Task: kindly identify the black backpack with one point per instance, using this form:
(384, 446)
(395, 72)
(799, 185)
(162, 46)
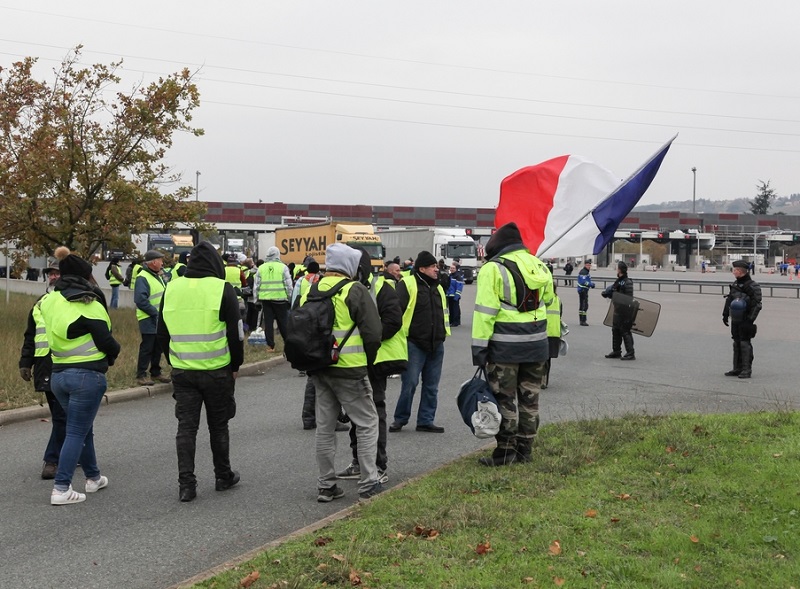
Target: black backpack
(310, 344)
(527, 299)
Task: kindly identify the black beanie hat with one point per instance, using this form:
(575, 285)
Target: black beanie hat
(424, 259)
(505, 236)
(741, 264)
(622, 266)
(71, 265)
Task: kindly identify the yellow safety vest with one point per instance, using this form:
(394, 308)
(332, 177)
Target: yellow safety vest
(396, 347)
(271, 286)
(40, 338)
(554, 317)
(157, 287)
(113, 280)
(59, 314)
(197, 338)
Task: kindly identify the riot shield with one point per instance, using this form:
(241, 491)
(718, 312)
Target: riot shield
(644, 313)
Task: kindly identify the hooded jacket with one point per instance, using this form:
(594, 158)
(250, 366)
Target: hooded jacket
(205, 262)
(76, 289)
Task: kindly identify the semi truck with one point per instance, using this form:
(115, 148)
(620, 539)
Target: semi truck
(297, 242)
(169, 243)
(450, 244)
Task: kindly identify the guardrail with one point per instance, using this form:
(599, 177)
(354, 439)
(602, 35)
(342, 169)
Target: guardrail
(713, 287)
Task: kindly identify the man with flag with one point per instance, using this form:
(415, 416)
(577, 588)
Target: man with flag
(509, 338)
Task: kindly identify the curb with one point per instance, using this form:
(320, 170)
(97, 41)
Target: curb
(123, 395)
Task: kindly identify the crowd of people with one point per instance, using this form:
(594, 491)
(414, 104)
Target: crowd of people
(198, 315)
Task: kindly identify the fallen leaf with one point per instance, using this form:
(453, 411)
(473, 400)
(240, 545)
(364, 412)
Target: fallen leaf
(322, 541)
(250, 579)
(591, 513)
(432, 534)
(685, 454)
(670, 449)
(555, 548)
(558, 581)
(614, 520)
(777, 455)
(694, 539)
(44, 420)
(624, 496)
(524, 549)
(698, 568)
(339, 557)
(483, 548)
(276, 561)
(355, 580)
(581, 553)
(322, 566)
(527, 580)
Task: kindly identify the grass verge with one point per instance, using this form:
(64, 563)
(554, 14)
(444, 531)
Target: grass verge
(15, 392)
(680, 501)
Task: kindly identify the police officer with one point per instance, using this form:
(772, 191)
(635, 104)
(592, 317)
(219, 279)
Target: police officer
(201, 327)
(509, 338)
(584, 284)
(622, 320)
(742, 306)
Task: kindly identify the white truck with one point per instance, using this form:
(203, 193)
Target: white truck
(447, 243)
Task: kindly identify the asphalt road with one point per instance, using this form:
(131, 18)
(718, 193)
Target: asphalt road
(136, 534)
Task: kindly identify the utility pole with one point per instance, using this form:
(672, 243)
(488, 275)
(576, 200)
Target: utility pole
(197, 186)
(694, 188)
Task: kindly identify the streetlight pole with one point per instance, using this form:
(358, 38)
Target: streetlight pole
(197, 186)
(694, 187)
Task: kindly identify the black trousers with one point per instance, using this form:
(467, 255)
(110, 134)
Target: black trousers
(274, 311)
(191, 390)
(378, 385)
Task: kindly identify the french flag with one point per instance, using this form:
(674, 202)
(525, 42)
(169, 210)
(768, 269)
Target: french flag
(569, 206)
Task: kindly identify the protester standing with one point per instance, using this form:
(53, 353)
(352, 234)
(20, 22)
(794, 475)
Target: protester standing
(82, 348)
(147, 295)
(35, 362)
(345, 384)
(509, 338)
(273, 283)
(115, 279)
(426, 325)
(202, 329)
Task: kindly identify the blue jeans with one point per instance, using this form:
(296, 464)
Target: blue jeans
(114, 297)
(429, 365)
(79, 391)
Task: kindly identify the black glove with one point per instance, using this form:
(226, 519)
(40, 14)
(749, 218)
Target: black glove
(25, 373)
(725, 321)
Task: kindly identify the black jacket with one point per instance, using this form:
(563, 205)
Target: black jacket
(752, 291)
(427, 322)
(43, 365)
(205, 262)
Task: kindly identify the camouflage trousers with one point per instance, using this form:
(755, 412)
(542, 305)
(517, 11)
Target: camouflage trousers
(516, 387)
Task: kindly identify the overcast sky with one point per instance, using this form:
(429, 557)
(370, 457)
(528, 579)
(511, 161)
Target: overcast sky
(433, 103)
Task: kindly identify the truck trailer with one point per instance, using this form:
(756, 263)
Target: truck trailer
(297, 242)
(450, 244)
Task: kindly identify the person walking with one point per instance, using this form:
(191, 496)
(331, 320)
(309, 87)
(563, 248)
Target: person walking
(82, 348)
(147, 295)
(742, 306)
(426, 325)
(345, 384)
(568, 268)
(115, 279)
(273, 283)
(35, 362)
(202, 330)
(392, 358)
(622, 320)
(584, 284)
(509, 338)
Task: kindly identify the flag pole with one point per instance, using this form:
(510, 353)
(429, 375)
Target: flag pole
(612, 193)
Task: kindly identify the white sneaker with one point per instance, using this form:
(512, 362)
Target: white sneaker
(383, 477)
(66, 497)
(95, 486)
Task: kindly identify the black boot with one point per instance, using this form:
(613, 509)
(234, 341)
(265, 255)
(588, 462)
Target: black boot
(629, 353)
(747, 359)
(500, 457)
(614, 354)
(737, 361)
(524, 449)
